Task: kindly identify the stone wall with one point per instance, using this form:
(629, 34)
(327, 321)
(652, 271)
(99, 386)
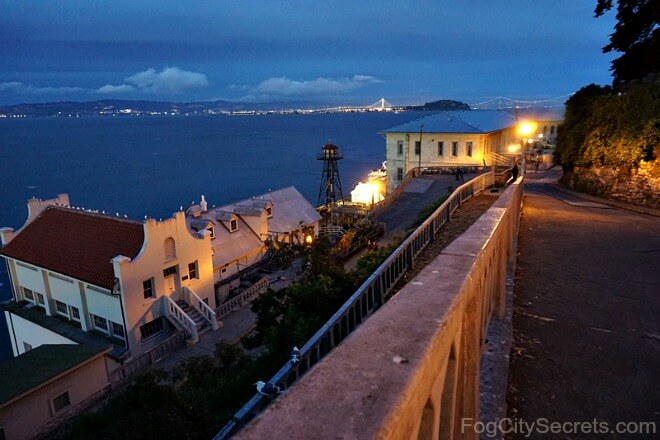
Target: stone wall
(412, 369)
(639, 187)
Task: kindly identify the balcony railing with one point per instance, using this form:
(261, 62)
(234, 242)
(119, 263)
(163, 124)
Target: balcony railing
(369, 297)
(243, 299)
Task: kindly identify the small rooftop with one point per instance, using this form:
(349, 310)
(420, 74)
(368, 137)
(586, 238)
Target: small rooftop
(32, 369)
(290, 209)
(468, 121)
(474, 121)
(79, 244)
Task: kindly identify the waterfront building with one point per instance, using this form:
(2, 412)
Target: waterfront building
(241, 232)
(104, 274)
(462, 139)
(98, 296)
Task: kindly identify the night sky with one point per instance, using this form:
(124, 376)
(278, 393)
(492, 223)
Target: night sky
(316, 51)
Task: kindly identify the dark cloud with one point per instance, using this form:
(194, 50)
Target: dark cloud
(423, 49)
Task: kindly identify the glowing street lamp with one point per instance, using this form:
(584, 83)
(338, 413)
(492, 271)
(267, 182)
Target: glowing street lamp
(526, 130)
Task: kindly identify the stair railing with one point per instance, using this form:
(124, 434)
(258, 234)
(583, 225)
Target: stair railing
(204, 309)
(179, 318)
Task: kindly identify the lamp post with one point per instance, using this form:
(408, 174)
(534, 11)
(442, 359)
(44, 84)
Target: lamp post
(420, 147)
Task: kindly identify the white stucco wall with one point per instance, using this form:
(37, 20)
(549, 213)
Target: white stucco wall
(429, 152)
(66, 290)
(151, 261)
(21, 330)
(30, 278)
(104, 305)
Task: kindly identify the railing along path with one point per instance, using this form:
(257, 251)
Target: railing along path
(368, 298)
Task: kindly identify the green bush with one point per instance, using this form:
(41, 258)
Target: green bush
(606, 127)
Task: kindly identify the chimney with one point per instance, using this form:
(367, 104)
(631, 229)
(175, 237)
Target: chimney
(204, 205)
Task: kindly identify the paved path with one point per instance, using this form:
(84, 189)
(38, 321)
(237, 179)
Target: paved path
(419, 194)
(403, 212)
(586, 311)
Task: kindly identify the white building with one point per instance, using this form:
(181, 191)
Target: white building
(241, 231)
(106, 276)
(461, 139)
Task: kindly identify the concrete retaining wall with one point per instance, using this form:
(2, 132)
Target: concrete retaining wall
(412, 369)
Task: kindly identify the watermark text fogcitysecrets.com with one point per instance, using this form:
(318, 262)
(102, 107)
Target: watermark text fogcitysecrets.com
(544, 426)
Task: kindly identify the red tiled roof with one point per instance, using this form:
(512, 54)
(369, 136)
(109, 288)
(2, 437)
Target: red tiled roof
(77, 243)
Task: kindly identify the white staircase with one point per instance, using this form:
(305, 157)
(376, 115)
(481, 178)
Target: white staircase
(198, 319)
(180, 318)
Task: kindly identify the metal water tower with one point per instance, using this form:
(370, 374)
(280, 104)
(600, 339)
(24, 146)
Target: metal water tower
(330, 192)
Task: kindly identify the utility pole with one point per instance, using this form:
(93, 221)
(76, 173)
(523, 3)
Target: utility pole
(420, 146)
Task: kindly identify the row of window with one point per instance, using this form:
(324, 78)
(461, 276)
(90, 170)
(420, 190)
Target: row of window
(35, 297)
(440, 148)
(148, 285)
(73, 313)
(107, 326)
(552, 129)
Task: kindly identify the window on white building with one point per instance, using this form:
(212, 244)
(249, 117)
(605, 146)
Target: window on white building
(61, 402)
(399, 148)
(468, 148)
(233, 225)
(151, 328)
(454, 148)
(28, 294)
(192, 270)
(552, 129)
(148, 288)
(99, 322)
(441, 148)
(169, 271)
(75, 313)
(27, 347)
(40, 298)
(170, 249)
(62, 308)
(117, 329)
(418, 148)
(399, 174)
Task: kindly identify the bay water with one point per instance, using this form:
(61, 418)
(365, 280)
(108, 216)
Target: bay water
(151, 166)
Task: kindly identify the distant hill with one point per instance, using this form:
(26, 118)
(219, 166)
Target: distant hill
(126, 107)
(441, 105)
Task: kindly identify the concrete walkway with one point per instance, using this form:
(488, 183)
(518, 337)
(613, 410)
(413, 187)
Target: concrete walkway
(586, 311)
(419, 194)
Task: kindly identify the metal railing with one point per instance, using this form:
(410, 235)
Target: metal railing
(368, 298)
(180, 318)
(243, 299)
(204, 309)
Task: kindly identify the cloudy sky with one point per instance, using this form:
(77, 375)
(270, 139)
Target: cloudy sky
(320, 51)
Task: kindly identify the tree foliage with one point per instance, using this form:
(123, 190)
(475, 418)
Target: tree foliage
(604, 127)
(636, 35)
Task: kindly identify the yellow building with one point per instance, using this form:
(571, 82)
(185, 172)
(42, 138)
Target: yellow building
(462, 139)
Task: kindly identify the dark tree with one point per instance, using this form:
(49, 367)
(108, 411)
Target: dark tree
(636, 35)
